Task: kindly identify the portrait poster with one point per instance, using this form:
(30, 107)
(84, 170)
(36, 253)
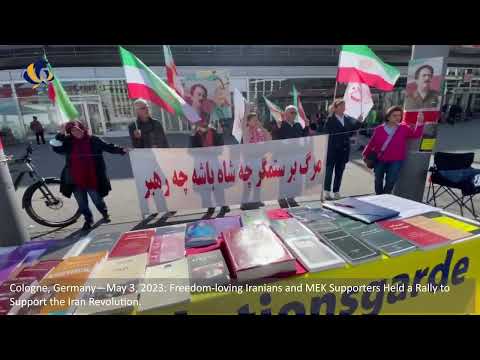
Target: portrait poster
(423, 95)
(208, 92)
(424, 82)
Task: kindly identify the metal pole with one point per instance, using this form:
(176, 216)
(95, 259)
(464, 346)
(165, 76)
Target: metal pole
(411, 183)
(13, 230)
(335, 91)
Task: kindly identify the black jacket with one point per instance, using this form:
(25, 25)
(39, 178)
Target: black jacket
(196, 140)
(153, 135)
(98, 147)
(339, 139)
(287, 131)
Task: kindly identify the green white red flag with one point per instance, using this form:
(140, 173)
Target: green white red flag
(58, 96)
(277, 113)
(302, 117)
(172, 75)
(143, 83)
(359, 64)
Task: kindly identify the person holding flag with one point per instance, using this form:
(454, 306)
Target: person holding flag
(145, 132)
(85, 172)
(361, 68)
(340, 128)
(290, 129)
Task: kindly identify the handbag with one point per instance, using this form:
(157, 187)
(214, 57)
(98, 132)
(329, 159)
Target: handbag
(372, 159)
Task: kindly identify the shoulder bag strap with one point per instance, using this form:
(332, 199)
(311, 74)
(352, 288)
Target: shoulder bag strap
(387, 142)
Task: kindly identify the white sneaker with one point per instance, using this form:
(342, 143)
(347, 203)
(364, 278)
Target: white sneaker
(328, 196)
(337, 196)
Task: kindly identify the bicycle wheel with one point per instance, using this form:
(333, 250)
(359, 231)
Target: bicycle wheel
(59, 213)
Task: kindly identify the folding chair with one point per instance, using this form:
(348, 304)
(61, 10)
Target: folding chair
(440, 185)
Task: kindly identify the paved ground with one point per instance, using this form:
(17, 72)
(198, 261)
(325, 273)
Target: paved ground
(123, 201)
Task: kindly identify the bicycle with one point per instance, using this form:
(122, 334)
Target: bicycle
(48, 192)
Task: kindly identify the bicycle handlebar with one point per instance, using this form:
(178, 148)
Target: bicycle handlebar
(25, 158)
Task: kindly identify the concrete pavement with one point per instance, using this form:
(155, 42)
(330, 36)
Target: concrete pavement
(123, 200)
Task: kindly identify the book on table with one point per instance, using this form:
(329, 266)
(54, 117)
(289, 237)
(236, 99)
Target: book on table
(256, 252)
(199, 234)
(360, 210)
(381, 239)
(101, 242)
(118, 279)
(167, 247)
(208, 269)
(349, 247)
(254, 217)
(165, 285)
(417, 235)
(133, 243)
(305, 246)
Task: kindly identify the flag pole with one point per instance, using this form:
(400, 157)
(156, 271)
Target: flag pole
(336, 78)
(361, 101)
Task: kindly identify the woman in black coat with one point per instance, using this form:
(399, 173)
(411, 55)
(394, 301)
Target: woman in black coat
(85, 171)
(340, 129)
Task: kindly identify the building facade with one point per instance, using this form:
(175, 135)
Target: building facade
(100, 93)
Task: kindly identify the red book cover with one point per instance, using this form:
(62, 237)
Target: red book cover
(257, 252)
(166, 248)
(278, 214)
(419, 237)
(133, 243)
(39, 270)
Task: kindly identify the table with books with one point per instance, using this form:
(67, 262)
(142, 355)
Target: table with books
(366, 255)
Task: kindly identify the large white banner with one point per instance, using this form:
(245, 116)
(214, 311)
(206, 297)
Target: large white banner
(175, 179)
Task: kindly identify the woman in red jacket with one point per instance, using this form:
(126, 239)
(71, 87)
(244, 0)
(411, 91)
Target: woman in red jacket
(85, 172)
(389, 142)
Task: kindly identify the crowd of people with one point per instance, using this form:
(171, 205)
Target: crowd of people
(85, 172)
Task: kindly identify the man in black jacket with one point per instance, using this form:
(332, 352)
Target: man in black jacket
(290, 130)
(146, 132)
(340, 129)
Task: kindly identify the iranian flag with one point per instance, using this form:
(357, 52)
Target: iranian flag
(358, 100)
(145, 84)
(275, 111)
(60, 99)
(172, 75)
(301, 118)
(359, 64)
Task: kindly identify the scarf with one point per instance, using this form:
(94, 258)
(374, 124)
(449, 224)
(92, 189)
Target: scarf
(82, 164)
